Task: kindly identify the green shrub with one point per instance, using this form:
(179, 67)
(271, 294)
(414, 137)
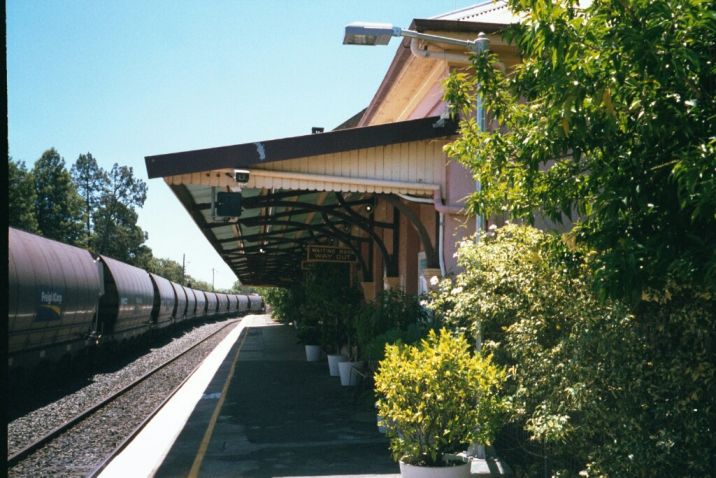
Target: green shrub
(331, 304)
(394, 316)
(285, 303)
(375, 348)
(437, 397)
(309, 334)
(603, 389)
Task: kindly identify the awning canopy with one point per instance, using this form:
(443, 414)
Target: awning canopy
(318, 189)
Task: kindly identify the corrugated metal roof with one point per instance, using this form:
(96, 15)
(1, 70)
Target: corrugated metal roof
(495, 12)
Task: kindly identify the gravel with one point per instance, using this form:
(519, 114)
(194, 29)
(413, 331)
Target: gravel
(78, 451)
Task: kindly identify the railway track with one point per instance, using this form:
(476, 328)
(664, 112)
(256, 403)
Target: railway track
(129, 406)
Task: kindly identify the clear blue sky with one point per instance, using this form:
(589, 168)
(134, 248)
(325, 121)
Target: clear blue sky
(124, 79)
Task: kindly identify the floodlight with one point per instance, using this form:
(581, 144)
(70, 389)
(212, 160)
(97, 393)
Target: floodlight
(362, 33)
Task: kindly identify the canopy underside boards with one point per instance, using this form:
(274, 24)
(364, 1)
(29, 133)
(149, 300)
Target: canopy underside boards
(288, 204)
(267, 243)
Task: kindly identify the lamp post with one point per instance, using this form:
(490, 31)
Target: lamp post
(371, 34)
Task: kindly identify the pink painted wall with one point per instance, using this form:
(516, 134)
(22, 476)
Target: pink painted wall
(459, 185)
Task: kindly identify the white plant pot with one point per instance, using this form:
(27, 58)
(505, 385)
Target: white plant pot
(313, 353)
(333, 361)
(411, 471)
(347, 371)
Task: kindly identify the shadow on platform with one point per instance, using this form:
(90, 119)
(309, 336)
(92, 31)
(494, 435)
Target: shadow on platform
(281, 417)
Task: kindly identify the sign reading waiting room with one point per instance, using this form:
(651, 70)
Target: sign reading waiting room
(329, 254)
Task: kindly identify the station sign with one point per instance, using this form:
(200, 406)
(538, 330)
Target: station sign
(329, 254)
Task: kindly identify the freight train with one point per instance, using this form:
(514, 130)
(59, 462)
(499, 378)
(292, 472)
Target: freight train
(63, 301)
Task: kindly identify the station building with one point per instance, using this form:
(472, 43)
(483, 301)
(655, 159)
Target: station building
(378, 190)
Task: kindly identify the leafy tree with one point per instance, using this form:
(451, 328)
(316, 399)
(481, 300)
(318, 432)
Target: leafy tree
(286, 304)
(141, 255)
(610, 114)
(239, 288)
(197, 284)
(167, 268)
(58, 207)
(91, 181)
(21, 197)
(127, 239)
(116, 231)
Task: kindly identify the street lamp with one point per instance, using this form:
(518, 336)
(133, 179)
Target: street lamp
(364, 33)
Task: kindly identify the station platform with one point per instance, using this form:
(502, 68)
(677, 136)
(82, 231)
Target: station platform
(256, 408)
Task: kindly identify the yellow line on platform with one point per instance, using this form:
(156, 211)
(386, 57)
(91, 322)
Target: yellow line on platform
(196, 466)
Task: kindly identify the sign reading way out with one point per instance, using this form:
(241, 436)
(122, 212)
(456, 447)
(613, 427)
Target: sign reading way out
(329, 254)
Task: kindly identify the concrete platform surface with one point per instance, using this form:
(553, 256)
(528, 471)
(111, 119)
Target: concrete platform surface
(269, 413)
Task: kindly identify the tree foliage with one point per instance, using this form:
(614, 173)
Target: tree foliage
(58, 207)
(117, 235)
(604, 388)
(116, 232)
(167, 268)
(196, 283)
(610, 114)
(394, 317)
(285, 303)
(332, 303)
(91, 182)
(88, 207)
(21, 197)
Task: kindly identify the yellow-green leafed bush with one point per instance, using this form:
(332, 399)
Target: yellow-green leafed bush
(597, 388)
(437, 397)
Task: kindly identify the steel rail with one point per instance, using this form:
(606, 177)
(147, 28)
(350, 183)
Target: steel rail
(18, 456)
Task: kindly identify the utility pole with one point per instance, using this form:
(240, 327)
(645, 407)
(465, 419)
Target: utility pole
(183, 269)
(212, 279)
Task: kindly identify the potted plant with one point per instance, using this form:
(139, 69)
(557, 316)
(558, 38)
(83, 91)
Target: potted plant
(395, 316)
(333, 333)
(347, 307)
(310, 336)
(329, 304)
(436, 398)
